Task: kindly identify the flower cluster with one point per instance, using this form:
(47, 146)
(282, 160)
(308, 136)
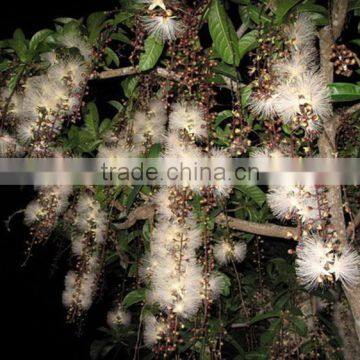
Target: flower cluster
(148, 126)
(180, 287)
(87, 240)
(42, 214)
(298, 202)
(47, 99)
(319, 262)
(295, 89)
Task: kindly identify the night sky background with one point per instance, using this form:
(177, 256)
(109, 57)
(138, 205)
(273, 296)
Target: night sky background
(32, 315)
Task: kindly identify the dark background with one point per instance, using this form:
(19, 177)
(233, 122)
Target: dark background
(32, 315)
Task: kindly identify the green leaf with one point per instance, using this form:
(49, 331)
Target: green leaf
(134, 297)
(92, 119)
(226, 70)
(14, 80)
(38, 38)
(18, 43)
(248, 42)
(154, 47)
(119, 36)
(132, 196)
(104, 126)
(122, 17)
(356, 42)
(223, 33)
(269, 335)
(265, 316)
(129, 86)
(299, 325)
(245, 95)
(282, 8)
(5, 65)
(344, 92)
(226, 114)
(257, 16)
(118, 106)
(111, 57)
(94, 25)
(254, 192)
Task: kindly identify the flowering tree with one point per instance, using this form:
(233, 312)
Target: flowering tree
(206, 272)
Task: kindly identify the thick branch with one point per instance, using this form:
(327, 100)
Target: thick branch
(338, 16)
(270, 230)
(132, 70)
(147, 212)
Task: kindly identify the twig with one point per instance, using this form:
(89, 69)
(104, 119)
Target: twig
(353, 225)
(141, 213)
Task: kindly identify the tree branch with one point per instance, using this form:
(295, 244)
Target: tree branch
(141, 213)
(338, 16)
(270, 230)
(353, 225)
(146, 212)
(132, 70)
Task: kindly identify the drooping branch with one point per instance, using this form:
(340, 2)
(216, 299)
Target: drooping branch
(271, 230)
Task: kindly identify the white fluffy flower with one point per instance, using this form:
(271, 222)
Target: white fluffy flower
(118, 316)
(165, 26)
(162, 200)
(188, 116)
(49, 57)
(90, 218)
(298, 64)
(346, 267)
(183, 159)
(221, 167)
(154, 330)
(226, 251)
(150, 124)
(313, 263)
(302, 32)
(216, 285)
(286, 202)
(33, 212)
(307, 90)
(74, 41)
(16, 105)
(79, 290)
(261, 104)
